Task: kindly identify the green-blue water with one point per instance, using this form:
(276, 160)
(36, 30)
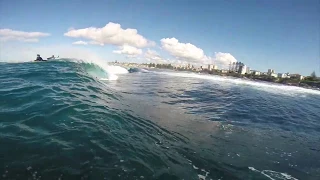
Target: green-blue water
(65, 120)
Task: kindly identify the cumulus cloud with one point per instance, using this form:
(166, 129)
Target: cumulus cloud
(184, 51)
(80, 43)
(153, 56)
(111, 33)
(96, 43)
(223, 59)
(189, 53)
(13, 35)
(128, 50)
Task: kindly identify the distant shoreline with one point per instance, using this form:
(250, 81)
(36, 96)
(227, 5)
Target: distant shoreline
(305, 83)
(256, 79)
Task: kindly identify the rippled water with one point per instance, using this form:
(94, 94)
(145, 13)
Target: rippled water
(58, 121)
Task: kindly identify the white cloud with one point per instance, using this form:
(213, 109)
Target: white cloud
(128, 50)
(223, 59)
(189, 53)
(184, 51)
(12, 35)
(111, 33)
(96, 43)
(153, 56)
(80, 43)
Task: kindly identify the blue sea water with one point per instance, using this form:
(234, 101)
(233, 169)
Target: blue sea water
(70, 120)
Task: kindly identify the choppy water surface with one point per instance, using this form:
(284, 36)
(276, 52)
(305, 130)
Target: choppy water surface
(65, 120)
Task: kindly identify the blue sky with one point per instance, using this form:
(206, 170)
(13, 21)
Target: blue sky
(283, 35)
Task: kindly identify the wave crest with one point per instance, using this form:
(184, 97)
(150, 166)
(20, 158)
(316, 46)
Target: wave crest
(101, 70)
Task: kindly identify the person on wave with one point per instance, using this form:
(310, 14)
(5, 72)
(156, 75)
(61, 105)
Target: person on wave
(39, 58)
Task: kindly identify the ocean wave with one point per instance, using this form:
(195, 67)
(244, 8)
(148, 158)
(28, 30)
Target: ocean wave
(96, 68)
(100, 69)
(59, 121)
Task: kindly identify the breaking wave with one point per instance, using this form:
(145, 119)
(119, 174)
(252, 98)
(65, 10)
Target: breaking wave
(264, 86)
(96, 68)
(100, 69)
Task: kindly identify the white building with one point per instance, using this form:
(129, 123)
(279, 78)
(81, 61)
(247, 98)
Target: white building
(224, 71)
(248, 70)
(242, 69)
(288, 75)
(274, 75)
(298, 76)
(257, 73)
(235, 67)
(212, 67)
(283, 75)
(203, 67)
(270, 71)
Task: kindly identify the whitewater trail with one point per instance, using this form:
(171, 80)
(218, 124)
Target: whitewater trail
(264, 86)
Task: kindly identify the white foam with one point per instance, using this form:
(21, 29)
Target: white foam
(274, 174)
(265, 86)
(117, 70)
(109, 79)
(253, 169)
(144, 70)
(112, 71)
(201, 177)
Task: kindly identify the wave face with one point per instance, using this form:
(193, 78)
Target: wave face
(99, 69)
(69, 119)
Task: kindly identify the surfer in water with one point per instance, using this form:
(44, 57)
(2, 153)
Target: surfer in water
(39, 58)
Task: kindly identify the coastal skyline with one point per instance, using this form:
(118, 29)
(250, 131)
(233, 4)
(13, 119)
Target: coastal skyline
(283, 36)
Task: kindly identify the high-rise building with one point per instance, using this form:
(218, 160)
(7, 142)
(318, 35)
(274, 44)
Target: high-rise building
(257, 73)
(212, 67)
(248, 70)
(270, 71)
(233, 67)
(237, 66)
(242, 69)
